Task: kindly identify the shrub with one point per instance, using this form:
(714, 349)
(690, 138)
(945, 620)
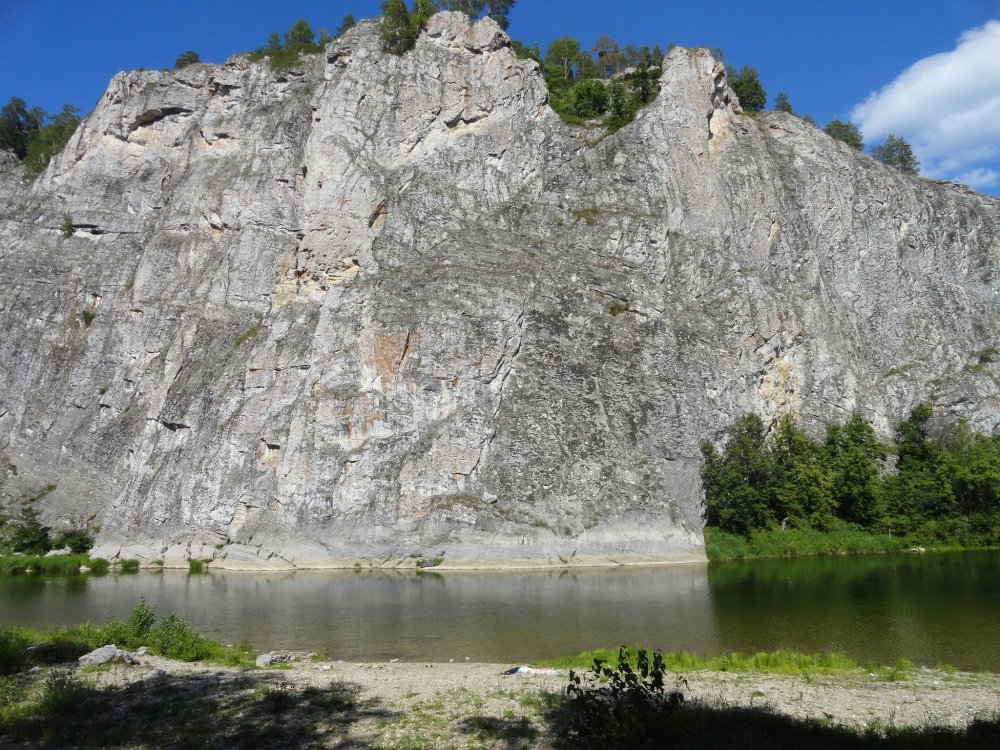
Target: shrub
(66, 228)
(141, 620)
(747, 87)
(128, 566)
(618, 707)
(29, 533)
(14, 644)
(63, 694)
(590, 98)
(196, 566)
(79, 541)
(186, 58)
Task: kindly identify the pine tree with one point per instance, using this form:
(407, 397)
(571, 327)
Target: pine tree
(896, 153)
(846, 132)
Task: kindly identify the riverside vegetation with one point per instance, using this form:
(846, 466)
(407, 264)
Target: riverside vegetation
(785, 494)
(627, 698)
(29, 546)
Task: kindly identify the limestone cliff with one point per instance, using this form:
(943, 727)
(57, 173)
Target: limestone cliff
(378, 306)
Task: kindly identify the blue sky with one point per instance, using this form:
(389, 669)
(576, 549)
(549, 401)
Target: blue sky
(929, 71)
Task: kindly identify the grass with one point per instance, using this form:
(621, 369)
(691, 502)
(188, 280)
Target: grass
(128, 566)
(720, 545)
(51, 565)
(783, 662)
(588, 214)
(617, 307)
(173, 637)
(196, 566)
(249, 333)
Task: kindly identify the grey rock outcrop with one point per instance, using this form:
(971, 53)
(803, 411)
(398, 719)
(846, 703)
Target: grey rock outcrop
(376, 306)
(105, 655)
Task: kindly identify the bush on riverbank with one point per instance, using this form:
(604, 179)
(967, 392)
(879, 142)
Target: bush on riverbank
(173, 637)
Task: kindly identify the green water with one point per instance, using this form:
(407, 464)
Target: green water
(929, 608)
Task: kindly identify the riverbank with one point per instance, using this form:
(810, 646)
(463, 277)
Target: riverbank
(772, 543)
(459, 705)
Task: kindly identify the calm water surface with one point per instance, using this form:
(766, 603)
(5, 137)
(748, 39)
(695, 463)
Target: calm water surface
(929, 608)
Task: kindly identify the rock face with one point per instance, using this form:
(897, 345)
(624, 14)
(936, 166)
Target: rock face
(378, 306)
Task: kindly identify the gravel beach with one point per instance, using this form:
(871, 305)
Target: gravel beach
(408, 705)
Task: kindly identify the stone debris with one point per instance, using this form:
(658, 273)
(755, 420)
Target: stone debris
(105, 655)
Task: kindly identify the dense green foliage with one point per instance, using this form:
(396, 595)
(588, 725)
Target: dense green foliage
(400, 27)
(34, 136)
(607, 83)
(746, 84)
(298, 40)
(616, 706)
(173, 637)
(186, 58)
(927, 490)
(897, 153)
(18, 125)
(24, 533)
(846, 132)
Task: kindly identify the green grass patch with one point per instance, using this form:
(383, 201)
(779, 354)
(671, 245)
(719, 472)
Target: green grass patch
(720, 545)
(783, 662)
(249, 333)
(128, 566)
(196, 566)
(173, 637)
(51, 565)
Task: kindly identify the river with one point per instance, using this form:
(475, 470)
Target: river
(930, 608)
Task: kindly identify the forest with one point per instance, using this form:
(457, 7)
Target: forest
(935, 484)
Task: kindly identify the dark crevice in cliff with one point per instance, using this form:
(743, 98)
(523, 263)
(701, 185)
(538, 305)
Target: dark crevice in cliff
(154, 115)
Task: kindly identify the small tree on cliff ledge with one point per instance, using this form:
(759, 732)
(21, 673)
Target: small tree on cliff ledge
(747, 86)
(895, 152)
(401, 27)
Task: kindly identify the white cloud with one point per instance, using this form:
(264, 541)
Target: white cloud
(947, 107)
(979, 179)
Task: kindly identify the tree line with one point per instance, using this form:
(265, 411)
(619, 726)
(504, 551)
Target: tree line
(33, 135)
(927, 486)
(608, 83)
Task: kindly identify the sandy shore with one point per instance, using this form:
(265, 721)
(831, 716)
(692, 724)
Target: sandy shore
(405, 705)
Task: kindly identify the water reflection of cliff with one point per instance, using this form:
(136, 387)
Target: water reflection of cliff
(499, 616)
(929, 608)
